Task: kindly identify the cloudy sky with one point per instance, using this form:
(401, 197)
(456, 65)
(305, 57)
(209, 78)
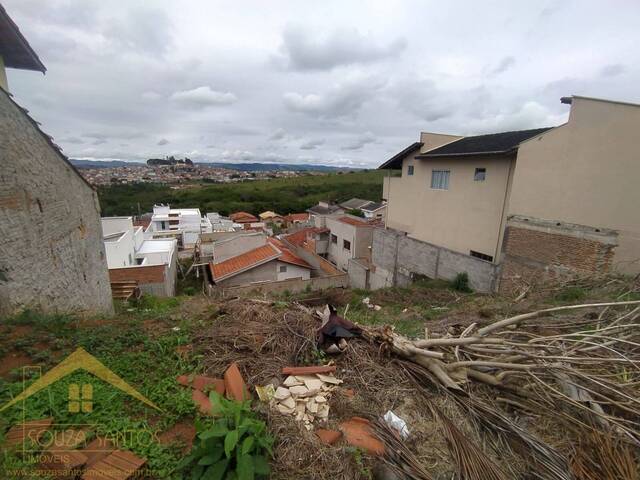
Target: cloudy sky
(333, 82)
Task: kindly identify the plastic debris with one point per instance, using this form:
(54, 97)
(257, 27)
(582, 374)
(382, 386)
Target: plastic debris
(397, 424)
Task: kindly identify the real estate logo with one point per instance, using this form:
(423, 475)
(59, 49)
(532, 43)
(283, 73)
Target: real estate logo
(80, 399)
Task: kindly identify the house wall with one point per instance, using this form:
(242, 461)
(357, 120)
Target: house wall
(293, 285)
(237, 245)
(262, 273)
(292, 271)
(467, 216)
(586, 173)
(537, 251)
(120, 252)
(52, 256)
(335, 251)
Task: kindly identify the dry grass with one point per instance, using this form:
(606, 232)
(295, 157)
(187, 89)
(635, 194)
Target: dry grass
(524, 439)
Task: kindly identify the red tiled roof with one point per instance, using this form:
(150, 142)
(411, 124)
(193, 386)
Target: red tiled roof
(287, 255)
(298, 238)
(353, 221)
(242, 217)
(242, 262)
(297, 217)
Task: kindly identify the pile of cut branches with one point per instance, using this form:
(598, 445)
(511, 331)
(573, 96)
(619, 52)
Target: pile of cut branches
(581, 370)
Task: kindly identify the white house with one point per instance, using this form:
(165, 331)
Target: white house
(183, 224)
(130, 257)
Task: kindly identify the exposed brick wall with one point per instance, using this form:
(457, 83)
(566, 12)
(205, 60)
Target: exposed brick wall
(142, 274)
(51, 251)
(531, 255)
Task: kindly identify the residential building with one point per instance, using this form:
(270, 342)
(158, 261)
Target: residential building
(349, 237)
(247, 221)
(540, 202)
(270, 217)
(319, 212)
(312, 239)
(184, 224)
(374, 210)
(270, 262)
(296, 219)
(220, 223)
(243, 217)
(52, 257)
(354, 204)
(151, 263)
(368, 208)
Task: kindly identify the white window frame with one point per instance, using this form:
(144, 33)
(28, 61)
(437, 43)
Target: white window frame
(440, 179)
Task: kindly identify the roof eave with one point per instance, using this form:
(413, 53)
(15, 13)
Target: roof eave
(242, 270)
(399, 156)
(467, 154)
(36, 64)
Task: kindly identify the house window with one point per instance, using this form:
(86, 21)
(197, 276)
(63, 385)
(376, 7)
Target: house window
(410, 170)
(440, 179)
(346, 244)
(481, 256)
(283, 268)
(480, 175)
(334, 238)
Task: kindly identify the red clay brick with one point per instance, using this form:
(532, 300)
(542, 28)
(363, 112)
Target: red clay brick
(357, 432)
(202, 401)
(308, 370)
(328, 436)
(234, 384)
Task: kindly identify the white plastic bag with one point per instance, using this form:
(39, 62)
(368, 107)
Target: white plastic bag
(397, 424)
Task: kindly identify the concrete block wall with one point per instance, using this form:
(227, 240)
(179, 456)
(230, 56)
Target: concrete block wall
(397, 258)
(52, 256)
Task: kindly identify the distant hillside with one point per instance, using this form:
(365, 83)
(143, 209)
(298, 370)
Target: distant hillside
(261, 167)
(81, 163)
(246, 167)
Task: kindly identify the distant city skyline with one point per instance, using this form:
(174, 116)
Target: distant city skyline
(328, 83)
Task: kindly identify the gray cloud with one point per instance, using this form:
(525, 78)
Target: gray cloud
(278, 134)
(311, 144)
(201, 97)
(505, 64)
(344, 99)
(163, 141)
(74, 140)
(303, 49)
(360, 142)
(142, 29)
(612, 70)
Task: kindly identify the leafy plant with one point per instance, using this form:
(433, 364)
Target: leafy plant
(461, 282)
(234, 447)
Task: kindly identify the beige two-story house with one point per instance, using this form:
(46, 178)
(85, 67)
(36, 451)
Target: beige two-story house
(537, 203)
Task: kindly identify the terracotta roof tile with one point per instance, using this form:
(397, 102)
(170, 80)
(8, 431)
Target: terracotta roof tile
(239, 263)
(353, 221)
(297, 217)
(300, 237)
(287, 255)
(242, 217)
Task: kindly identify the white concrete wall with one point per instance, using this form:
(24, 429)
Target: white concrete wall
(116, 224)
(291, 271)
(121, 252)
(237, 245)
